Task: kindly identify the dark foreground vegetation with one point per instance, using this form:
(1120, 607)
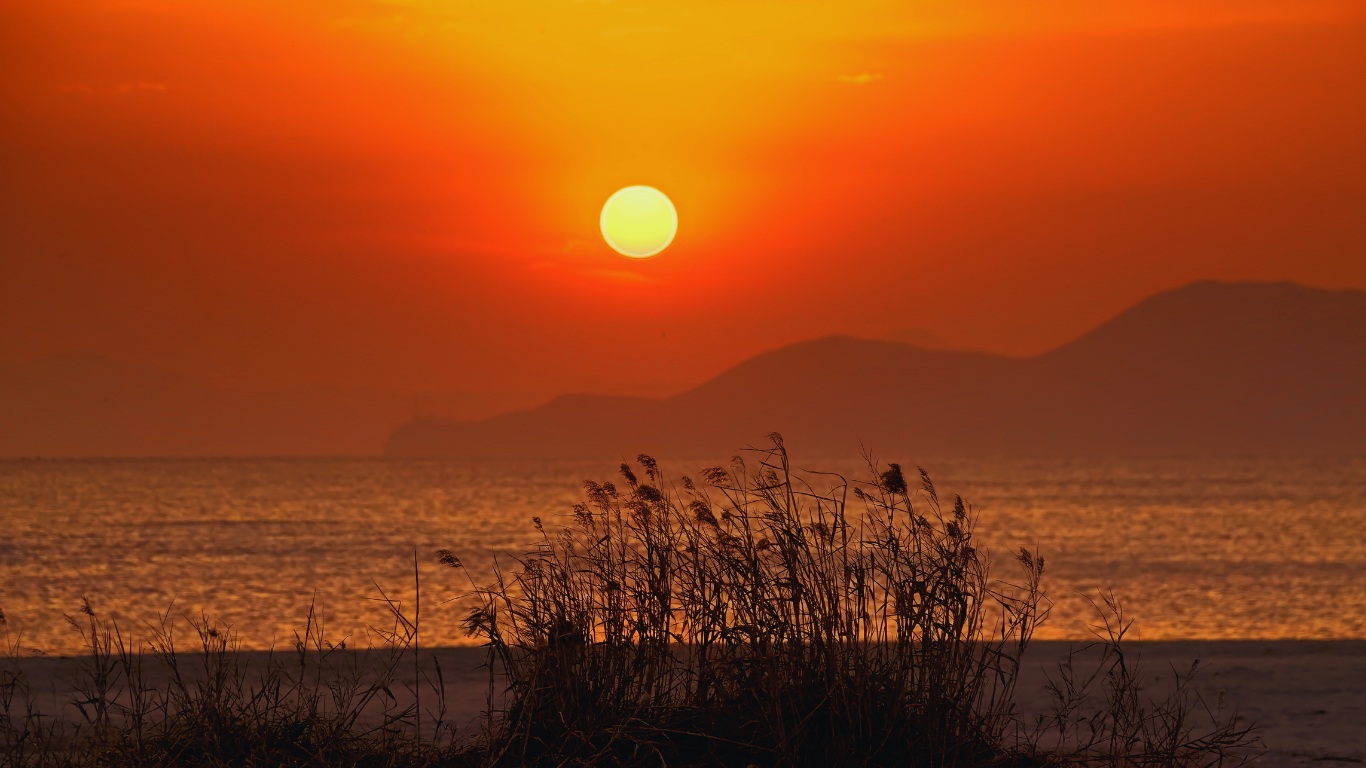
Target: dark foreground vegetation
(752, 616)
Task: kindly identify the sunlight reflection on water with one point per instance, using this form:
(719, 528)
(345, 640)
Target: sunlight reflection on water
(1208, 549)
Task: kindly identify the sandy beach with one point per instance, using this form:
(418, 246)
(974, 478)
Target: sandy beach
(1307, 697)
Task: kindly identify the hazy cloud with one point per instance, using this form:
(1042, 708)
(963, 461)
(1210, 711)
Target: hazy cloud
(141, 86)
(862, 78)
(628, 31)
(623, 275)
(121, 89)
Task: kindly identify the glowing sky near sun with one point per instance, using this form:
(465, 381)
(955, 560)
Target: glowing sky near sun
(405, 195)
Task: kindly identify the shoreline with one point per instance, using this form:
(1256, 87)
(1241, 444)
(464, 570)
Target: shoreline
(1307, 696)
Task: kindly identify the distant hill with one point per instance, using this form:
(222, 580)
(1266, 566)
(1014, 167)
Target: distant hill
(85, 406)
(1209, 368)
(88, 406)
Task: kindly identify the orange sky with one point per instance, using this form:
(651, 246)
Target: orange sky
(403, 194)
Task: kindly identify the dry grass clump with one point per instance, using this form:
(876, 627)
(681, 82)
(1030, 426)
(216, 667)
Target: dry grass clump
(753, 617)
(1101, 718)
(319, 704)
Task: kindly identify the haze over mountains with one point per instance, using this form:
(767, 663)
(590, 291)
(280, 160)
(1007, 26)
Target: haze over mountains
(1210, 368)
(87, 406)
(1206, 369)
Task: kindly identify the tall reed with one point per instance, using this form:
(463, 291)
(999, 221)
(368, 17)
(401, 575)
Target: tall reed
(318, 703)
(754, 615)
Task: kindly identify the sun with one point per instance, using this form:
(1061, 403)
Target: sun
(639, 221)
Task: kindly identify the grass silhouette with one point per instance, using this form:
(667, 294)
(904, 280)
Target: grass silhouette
(753, 616)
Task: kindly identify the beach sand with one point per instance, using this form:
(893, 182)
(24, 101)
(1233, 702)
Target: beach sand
(1307, 697)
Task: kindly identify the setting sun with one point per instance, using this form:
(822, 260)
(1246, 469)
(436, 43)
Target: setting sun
(639, 221)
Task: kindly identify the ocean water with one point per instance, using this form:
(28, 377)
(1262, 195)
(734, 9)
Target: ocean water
(1238, 548)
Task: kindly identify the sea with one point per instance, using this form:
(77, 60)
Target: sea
(1248, 548)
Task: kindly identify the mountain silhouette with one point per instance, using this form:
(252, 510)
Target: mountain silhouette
(1210, 368)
